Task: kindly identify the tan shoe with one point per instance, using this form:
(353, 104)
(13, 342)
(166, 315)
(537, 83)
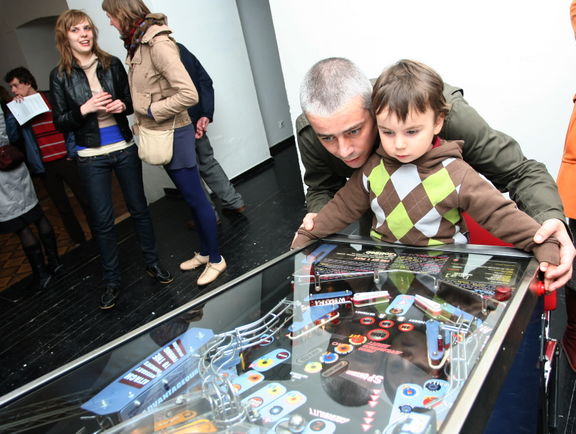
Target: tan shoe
(211, 272)
(195, 262)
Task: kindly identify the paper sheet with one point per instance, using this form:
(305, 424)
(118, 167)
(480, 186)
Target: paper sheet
(28, 108)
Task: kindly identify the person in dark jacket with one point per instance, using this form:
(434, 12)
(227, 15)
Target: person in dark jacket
(91, 98)
(201, 115)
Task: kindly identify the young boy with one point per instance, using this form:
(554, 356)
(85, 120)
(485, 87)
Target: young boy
(417, 184)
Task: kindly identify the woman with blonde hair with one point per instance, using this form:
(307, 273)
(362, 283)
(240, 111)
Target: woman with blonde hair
(91, 98)
(162, 91)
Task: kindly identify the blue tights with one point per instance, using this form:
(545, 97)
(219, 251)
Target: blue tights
(187, 180)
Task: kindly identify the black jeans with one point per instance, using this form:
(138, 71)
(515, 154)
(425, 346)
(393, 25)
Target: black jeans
(58, 173)
(96, 173)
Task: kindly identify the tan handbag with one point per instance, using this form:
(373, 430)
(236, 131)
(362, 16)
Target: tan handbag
(155, 146)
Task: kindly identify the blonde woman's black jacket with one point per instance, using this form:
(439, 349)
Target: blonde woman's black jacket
(70, 91)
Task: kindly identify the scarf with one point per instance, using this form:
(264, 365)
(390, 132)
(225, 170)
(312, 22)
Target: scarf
(134, 36)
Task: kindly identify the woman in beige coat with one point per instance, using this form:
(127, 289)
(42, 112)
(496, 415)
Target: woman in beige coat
(161, 92)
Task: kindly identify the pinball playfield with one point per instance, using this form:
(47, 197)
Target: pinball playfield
(342, 336)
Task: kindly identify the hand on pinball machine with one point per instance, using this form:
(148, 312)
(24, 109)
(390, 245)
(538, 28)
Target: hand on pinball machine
(557, 276)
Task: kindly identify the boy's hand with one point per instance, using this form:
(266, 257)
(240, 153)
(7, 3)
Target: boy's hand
(308, 222)
(557, 276)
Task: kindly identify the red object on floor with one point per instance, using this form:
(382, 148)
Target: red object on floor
(479, 235)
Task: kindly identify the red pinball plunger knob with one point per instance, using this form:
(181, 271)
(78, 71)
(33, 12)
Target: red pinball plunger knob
(502, 293)
(538, 288)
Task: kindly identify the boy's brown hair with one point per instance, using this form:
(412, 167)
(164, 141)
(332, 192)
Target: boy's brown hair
(409, 85)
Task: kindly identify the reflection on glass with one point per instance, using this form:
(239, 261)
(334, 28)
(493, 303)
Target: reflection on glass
(338, 338)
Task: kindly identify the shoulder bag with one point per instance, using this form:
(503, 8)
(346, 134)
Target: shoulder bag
(155, 146)
(10, 157)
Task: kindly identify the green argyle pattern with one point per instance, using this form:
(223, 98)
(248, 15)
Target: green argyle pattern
(415, 208)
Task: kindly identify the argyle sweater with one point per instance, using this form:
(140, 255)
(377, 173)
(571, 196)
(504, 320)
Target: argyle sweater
(420, 204)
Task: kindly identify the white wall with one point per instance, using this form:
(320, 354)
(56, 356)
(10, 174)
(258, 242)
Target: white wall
(37, 42)
(263, 52)
(516, 60)
(27, 37)
(212, 31)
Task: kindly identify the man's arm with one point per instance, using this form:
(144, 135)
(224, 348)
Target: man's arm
(203, 83)
(500, 158)
(12, 128)
(324, 174)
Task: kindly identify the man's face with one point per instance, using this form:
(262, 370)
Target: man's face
(348, 134)
(20, 89)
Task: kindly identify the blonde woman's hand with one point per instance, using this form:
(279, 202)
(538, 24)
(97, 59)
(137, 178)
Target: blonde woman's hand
(98, 102)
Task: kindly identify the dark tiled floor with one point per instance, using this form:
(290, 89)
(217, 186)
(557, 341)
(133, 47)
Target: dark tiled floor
(14, 267)
(41, 333)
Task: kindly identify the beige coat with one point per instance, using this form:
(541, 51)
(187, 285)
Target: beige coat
(159, 81)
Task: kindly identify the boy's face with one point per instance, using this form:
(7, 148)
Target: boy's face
(409, 140)
(348, 134)
(20, 89)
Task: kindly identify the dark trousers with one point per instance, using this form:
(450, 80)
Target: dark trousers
(214, 176)
(96, 174)
(58, 174)
(187, 181)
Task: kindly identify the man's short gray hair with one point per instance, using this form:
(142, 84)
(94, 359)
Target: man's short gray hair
(332, 83)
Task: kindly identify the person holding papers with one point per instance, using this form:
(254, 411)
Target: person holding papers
(49, 153)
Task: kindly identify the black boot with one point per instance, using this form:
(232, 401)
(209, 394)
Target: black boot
(51, 249)
(569, 338)
(41, 276)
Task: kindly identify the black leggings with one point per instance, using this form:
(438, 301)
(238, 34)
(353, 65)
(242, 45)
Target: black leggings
(27, 237)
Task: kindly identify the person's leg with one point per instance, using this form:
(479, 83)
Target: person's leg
(33, 251)
(192, 223)
(96, 175)
(128, 169)
(213, 174)
(54, 184)
(569, 338)
(48, 239)
(69, 172)
(188, 183)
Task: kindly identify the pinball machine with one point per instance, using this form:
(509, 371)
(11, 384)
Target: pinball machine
(345, 335)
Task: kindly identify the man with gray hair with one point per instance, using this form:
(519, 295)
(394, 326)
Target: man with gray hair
(337, 132)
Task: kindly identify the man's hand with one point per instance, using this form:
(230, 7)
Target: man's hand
(202, 127)
(560, 275)
(308, 222)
